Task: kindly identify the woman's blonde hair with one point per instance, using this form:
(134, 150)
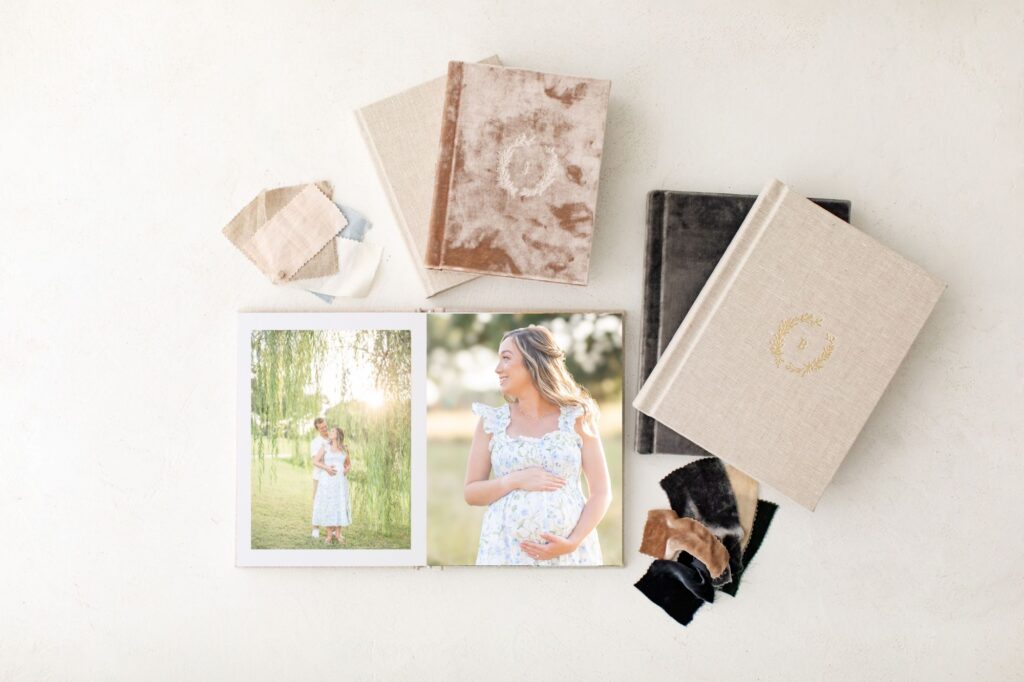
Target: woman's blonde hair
(545, 362)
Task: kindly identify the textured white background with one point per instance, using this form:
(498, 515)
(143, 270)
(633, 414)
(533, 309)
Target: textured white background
(129, 134)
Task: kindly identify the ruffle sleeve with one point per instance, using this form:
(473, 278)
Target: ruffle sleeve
(495, 418)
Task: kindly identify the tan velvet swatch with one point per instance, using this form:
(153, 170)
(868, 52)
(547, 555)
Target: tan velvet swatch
(296, 233)
(666, 535)
(745, 489)
(254, 215)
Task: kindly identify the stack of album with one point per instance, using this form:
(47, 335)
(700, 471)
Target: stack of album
(769, 345)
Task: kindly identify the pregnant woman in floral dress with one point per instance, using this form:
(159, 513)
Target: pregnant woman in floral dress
(536, 445)
(332, 506)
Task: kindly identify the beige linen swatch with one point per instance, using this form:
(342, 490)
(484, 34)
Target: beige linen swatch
(325, 262)
(296, 233)
(357, 266)
(265, 205)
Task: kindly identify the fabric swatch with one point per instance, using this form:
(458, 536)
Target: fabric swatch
(357, 226)
(701, 490)
(295, 234)
(254, 215)
(356, 229)
(357, 267)
(323, 297)
(676, 587)
(745, 489)
(324, 262)
(244, 225)
(762, 519)
(696, 577)
(702, 493)
(666, 536)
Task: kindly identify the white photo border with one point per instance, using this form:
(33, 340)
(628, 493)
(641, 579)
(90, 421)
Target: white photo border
(416, 555)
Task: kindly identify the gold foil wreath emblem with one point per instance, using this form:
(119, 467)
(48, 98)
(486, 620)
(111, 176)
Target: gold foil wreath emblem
(778, 345)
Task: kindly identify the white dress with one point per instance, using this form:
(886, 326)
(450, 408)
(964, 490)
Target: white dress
(332, 505)
(524, 514)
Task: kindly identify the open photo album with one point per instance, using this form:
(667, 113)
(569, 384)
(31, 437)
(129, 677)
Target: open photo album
(440, 438)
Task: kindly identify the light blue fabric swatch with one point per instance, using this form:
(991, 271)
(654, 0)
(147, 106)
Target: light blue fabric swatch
(323, 297)
(357, 226)
(356, 230)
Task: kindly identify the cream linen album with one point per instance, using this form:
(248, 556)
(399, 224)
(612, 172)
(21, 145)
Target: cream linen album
(790, 344)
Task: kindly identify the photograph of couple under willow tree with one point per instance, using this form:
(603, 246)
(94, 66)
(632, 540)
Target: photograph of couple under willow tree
(306, 385)
(516, 469)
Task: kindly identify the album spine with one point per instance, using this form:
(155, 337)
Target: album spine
(651, 324)
(677, 353)
(396, 206)
(445, 165)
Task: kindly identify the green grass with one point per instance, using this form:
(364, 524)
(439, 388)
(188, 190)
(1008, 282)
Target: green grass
(282, 507)
(453, 527)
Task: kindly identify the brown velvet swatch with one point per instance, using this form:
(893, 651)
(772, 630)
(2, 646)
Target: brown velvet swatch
(666, 535)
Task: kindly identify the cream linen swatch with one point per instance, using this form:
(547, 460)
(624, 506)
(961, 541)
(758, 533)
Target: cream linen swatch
(296, 233)
(271, 201)
(254, 215)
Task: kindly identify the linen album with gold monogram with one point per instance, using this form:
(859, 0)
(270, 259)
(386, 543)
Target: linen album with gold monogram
(815, 317)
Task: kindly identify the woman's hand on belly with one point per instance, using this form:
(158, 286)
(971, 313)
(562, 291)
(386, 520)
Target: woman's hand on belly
(534, 479)
(555, 547)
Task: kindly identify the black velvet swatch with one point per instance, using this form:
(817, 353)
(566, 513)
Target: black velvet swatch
(687, 234)
(762, 519)
(701, 490)
(677, 587)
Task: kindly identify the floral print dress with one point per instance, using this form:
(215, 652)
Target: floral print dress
(524, 514)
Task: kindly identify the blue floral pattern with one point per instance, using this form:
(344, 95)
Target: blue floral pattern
(524, 514)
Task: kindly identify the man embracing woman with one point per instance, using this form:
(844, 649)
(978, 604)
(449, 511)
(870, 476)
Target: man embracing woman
(332, 504)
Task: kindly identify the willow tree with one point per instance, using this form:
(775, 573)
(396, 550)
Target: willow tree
(286, 366)
(385, 431)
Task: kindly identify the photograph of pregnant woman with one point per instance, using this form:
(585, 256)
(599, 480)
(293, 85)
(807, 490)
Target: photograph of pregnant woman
(524, 439)
(332, 505)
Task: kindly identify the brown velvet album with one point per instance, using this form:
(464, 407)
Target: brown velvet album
(515, 191)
